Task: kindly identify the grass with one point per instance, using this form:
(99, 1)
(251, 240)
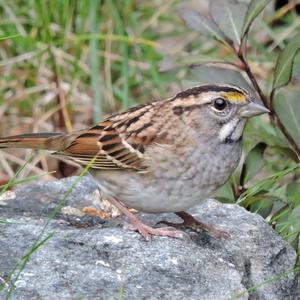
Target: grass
(77, 63)
(94, 62)
(269, 280)
(82, 60)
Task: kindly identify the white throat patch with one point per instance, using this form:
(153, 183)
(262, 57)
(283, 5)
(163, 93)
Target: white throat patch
(233, 130)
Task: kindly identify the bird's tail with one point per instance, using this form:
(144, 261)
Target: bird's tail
(49, 141)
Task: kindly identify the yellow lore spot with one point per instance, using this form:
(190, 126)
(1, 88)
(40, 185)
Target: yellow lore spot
(234, 96)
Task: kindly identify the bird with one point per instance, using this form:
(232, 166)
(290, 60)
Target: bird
(163, 156)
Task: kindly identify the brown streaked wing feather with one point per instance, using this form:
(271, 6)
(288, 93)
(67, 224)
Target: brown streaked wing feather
(116, 143)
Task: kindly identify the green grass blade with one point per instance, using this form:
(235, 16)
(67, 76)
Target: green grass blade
(94, 61)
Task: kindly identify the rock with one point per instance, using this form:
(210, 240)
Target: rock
(89, 258)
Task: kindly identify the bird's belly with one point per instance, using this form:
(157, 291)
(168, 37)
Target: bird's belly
(156, 195)
(170, 187)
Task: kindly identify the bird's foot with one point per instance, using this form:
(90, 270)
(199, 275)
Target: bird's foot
(190, 222)
(145, 230)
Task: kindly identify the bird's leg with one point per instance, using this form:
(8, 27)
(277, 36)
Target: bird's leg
(190, 222)
(145, 230)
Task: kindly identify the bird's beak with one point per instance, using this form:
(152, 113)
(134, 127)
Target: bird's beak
(252, 109)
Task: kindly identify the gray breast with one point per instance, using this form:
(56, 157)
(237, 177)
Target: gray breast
(175, 182)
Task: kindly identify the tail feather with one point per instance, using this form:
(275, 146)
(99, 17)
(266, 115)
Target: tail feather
(49, 141)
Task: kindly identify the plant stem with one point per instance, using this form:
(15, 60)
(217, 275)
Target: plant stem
(286, 134)
(280, 125)
(275, 120)
(251, 76)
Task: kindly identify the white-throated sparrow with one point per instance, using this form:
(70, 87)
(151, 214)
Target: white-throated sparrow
(165, 156)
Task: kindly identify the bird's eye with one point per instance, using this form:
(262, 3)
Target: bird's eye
(220, 104)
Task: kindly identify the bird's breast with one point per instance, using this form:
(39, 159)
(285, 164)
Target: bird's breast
(174, 182)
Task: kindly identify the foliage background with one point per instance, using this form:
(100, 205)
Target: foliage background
(65, 64)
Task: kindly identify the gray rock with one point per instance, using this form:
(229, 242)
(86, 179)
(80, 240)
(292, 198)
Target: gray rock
(94, 259)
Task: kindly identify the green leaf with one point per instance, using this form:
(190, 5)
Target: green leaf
(261, 196)
(9, 37)
(286, 152)
(200, 23)
(293, 193)
(296, 66)
(225, 193)
(229, 15)
(254, 162)
(294, 220)
(262, 205)
(284, 65)
(254, 9)
(266, 184)
(287, 107)
(261, 131)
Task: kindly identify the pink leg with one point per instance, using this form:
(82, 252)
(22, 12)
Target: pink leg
(145, 230)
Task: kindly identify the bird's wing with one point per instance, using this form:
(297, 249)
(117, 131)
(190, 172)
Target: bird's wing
(120, 141)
